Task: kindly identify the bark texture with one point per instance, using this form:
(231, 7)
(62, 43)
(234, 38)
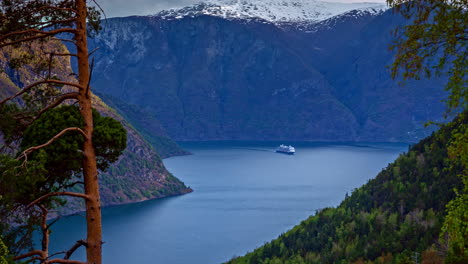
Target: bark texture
(90, 172)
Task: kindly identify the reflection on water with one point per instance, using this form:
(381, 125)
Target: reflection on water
(244, 195)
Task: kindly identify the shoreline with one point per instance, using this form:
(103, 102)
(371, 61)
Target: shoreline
(186, 191)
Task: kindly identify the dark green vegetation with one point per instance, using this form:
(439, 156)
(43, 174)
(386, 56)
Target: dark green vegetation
(398, 214)
(434, 43)
(47, 153)
(3, 252)
(148, 125)
(138, 175)
(63, 158)
(26, 23)
(54, 167)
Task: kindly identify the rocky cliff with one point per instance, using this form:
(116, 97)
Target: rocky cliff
(138, 175)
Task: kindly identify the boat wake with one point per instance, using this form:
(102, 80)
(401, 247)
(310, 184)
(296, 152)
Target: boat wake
(257, 149)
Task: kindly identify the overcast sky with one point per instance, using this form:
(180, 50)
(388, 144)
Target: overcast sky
(118, 8)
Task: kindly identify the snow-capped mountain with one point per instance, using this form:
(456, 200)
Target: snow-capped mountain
(274, 11)
(330, 23)
(210, 78)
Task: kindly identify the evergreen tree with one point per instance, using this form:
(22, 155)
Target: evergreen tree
(28, 23)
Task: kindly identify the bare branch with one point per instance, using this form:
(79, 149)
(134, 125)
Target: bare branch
(57, 253)
(70, 252)
(42, 26)
(30, 254)
(94, 50)
(57, 8)
(39, 34)
(37, 31)
(90, 77)
(64, 54)
(64, 261)
(32, 30)
(57, 102)
(34, 259)
(77, 245)
(54, 221)
(65, 40)
(73, 194)
(48, 24)
(31, 149)
(29, 87)
(73, 184)
(100, 8)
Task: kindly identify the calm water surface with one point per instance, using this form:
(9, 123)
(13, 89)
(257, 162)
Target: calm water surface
(244, 195)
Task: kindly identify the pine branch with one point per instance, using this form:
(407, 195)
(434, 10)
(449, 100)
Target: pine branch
(39, 34)
(57, 8)
(29, 87)
(47, 24)
(30, 254)
(72, 194)
(31, 149)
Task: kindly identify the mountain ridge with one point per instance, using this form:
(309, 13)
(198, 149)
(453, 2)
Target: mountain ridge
(209, 78)
(273, 11)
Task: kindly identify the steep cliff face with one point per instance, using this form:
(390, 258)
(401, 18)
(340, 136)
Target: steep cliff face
(207, 78)
(357, 66)
(146, 123)
(210, 78)
(138, 175)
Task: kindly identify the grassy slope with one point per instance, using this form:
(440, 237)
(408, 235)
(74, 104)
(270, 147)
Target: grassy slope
(388, 220)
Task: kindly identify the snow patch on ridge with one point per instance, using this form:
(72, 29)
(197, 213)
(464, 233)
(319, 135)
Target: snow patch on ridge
(274, 11)
(353, 14)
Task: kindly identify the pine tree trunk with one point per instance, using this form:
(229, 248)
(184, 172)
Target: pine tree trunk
(90, 173)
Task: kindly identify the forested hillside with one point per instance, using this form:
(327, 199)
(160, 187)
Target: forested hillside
(138, 175)
(394, 218)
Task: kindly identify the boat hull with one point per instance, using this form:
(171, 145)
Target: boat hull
(285, 152)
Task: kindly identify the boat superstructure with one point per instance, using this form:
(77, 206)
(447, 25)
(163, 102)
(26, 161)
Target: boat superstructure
(286, 149)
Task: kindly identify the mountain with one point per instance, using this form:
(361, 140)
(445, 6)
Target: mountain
(394, 218)
(273, 11)
(138, 175)
(207, 77)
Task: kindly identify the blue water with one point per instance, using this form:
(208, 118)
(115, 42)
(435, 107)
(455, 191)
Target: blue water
(244, 195)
